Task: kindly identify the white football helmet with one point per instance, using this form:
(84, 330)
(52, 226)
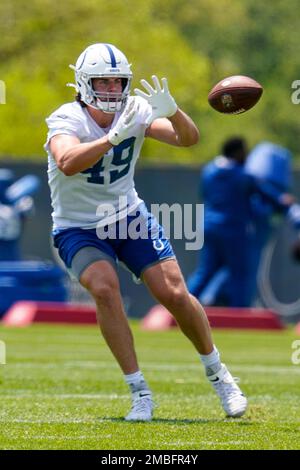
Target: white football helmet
(102, 60)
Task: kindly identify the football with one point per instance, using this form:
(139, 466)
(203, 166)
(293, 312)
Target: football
(235, 95)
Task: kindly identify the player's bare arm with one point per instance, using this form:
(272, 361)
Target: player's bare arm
(178, 130)
(72, 156)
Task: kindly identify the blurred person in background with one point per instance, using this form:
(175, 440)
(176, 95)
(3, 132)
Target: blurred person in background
(272, 163)
(93, 144)
(238, 204)
(21, 277)
(16, 204)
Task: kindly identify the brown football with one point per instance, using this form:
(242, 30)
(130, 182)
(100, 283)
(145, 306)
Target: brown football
(235, 95)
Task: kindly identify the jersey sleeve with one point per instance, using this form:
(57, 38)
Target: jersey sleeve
(64, 121)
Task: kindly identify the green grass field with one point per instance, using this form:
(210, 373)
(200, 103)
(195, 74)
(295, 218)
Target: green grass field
(61, 389)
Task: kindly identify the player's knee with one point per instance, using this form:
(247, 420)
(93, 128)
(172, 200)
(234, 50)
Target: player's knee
(103, 291)
(174, 297)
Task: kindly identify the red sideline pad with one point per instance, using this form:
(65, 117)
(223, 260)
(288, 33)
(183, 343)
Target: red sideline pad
(159, 318)
(24, 313)
(298, 328)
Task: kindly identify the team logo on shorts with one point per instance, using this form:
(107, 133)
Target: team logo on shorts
(158, 245)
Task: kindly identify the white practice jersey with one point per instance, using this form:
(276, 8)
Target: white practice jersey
(90, 198)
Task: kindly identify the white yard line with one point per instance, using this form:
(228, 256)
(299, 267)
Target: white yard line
(65, 396)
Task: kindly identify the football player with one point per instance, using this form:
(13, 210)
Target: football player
(93, 144)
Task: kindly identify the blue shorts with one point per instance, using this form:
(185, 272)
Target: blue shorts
(136, 252)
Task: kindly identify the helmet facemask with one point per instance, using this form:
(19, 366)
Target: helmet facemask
(110, 102)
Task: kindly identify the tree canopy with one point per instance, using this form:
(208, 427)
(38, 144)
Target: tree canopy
(194, 44)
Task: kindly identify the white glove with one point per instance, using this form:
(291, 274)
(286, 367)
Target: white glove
(127, 121)
(160, 99)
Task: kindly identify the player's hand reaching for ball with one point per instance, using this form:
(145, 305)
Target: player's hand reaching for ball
(159, 97)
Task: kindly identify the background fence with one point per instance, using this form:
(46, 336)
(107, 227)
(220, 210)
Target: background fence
(156, 185)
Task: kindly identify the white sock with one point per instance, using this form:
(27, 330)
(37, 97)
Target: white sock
(211, 362)
(136, 381)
